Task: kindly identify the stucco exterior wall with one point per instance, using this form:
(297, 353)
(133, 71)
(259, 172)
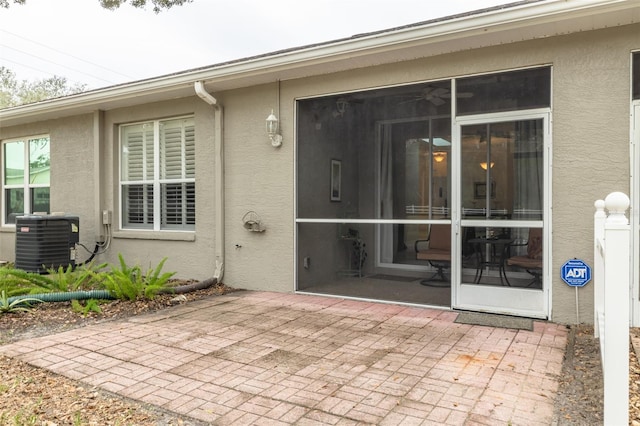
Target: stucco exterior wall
(190, 255)
(259, 177)
(591, 148)
(72, 176)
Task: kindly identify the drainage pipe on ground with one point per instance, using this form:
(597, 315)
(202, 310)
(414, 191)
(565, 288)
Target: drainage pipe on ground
(63, 296)
(67, 296)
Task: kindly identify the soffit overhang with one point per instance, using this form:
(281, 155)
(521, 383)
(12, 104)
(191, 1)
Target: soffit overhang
(525, 20)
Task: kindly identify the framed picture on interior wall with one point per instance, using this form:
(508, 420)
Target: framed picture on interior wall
(336, 180)
(480, 190)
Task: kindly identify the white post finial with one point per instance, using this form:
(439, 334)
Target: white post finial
(617, 204)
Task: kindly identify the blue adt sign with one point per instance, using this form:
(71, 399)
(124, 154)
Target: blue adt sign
(576, 273)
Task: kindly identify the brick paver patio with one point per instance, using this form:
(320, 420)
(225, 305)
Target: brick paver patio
(272, 358)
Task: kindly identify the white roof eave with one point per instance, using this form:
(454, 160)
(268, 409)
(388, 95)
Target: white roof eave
(522, 21)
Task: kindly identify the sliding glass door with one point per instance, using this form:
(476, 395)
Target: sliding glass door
(413, 186)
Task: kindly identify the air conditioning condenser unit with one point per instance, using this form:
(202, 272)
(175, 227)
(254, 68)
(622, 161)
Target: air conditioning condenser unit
(46, 242)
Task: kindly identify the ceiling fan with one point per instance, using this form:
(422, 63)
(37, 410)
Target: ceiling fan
(436, 95)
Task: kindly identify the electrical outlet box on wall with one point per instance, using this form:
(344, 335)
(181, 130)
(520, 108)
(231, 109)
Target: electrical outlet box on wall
(106, 217)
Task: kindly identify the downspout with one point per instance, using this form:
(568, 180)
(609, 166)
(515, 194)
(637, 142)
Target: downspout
(219, 177)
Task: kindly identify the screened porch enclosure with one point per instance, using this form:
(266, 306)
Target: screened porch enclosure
(370, 166)
(382, 215)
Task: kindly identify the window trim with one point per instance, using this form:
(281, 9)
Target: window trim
(25, 186)
(156, 182)
(635, 75)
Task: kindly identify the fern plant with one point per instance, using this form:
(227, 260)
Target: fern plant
(22, 282)
(155, 281)
(62, 279)
(125, 282)
(128, 282)
(71, 279)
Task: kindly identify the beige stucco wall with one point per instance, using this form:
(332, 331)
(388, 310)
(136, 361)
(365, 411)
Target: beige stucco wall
(591, 148)
(590, 156)
(72, 153)
(191, 256)
(259, 178)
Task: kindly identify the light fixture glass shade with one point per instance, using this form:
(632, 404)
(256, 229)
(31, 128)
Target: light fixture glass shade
(272, 130)
(439, 157)
(484, 165)
(272, 124)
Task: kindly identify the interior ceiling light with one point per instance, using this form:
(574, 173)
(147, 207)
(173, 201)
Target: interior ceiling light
(484, 165)
(439, 156)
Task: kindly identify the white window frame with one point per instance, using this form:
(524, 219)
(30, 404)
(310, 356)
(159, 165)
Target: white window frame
(26, 186)
(156, 181)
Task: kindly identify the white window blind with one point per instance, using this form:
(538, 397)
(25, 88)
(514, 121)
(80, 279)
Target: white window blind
(158, 158)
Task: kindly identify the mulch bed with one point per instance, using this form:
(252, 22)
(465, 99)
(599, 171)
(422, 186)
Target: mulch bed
(29, 395)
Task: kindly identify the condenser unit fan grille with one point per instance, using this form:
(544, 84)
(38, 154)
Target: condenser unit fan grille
(46, 242)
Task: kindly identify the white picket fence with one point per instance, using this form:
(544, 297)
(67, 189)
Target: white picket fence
(611, 277)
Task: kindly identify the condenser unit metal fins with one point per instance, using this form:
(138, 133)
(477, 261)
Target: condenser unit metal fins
(46, 242)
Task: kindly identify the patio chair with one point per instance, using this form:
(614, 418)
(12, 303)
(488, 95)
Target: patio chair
(437, 252)
(532, 261)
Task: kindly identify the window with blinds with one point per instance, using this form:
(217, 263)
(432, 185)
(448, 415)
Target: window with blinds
(158, 175)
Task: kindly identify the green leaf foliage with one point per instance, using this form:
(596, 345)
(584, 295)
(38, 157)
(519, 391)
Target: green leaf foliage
(91, 305)
(17, 281)
(158, 5)
(129, 283)
(14, 92)
(19, 305)
(155, 280)
(72, 279)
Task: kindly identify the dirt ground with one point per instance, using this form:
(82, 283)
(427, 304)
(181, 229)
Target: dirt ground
(33, 396)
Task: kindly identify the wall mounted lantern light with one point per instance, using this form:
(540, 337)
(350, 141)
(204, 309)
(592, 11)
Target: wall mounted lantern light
(272, 130)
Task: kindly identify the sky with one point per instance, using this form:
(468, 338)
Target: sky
(87, 44)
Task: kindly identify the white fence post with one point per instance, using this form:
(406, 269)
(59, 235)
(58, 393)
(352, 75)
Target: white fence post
(598, 269)
(614, 333)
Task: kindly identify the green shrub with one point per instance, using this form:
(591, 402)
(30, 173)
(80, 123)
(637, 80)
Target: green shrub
(125, 282)
(17, 281)
(128, 282)
(155, 281)
(71, 279)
